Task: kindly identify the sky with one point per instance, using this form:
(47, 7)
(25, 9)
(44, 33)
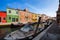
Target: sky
(48, 7)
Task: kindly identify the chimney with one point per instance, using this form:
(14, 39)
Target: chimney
(26, 9)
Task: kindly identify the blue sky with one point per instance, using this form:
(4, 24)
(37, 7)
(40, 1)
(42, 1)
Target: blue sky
(48, 7)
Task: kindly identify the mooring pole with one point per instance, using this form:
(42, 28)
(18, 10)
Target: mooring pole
(39, 20)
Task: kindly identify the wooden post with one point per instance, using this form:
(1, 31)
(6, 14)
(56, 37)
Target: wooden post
(37, 25)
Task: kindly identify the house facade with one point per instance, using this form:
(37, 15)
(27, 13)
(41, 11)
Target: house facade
(22, 17)
(12, 15)
(25, 16)
(44, 18)
(30, 17)
(34, 17)
(3, 17)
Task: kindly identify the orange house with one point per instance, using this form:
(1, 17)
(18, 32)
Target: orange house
(25, 16)
(22, 17)
(30, 17)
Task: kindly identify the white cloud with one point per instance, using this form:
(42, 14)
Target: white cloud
(49, 10)
(15, 5)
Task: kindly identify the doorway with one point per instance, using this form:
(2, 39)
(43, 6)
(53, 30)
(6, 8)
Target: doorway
(0, 19)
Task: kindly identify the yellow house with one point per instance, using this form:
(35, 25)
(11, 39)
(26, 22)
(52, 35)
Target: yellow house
(34, 17)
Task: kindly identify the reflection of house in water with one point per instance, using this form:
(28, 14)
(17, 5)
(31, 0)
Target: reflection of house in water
(2, 33)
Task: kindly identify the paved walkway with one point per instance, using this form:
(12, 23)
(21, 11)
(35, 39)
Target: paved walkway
(42, 33)
(53, 33)
(55, 29)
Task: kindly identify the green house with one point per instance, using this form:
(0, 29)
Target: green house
(12, 15)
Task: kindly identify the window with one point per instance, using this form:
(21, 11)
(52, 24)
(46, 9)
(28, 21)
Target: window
(9, 18)
(4, 18)
(35, 15)
(26, 14)
(13, 19)
(9, 11)
(16, 19)
(26, 18)
(16, 12)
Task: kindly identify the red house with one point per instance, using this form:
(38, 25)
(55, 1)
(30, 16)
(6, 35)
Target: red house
(3, 17)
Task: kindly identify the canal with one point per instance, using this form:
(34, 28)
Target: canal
(9, 29)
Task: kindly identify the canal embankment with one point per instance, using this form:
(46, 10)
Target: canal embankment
(40, 35)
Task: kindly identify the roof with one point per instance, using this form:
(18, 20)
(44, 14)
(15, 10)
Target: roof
(21, 10)
(14, 9)
(3, 11)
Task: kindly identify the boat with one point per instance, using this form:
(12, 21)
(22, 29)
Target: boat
(22, 33)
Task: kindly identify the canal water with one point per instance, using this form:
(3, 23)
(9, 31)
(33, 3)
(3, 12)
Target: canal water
(9, 30)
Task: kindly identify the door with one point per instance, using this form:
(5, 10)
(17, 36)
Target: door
(0, 19)
(13, 19)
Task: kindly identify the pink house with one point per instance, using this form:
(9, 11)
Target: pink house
(22, 17)
(25, 16)
(30, 17)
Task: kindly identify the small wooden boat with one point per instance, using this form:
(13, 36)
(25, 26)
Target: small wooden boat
(22, 33)
(16, 25)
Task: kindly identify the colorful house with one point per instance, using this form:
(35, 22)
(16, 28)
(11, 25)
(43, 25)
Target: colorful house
(12, 15)
(34, 17)
(3, 17)
(43, 18)
(30, 17)
(23, 16)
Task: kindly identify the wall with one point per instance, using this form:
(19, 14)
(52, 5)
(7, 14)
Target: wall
(22, 17)
(13, 14)
(3, 15)
(29, 17)
(34, 18)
